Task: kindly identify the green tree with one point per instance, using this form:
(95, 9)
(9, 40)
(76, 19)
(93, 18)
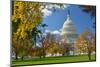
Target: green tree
(91, 10)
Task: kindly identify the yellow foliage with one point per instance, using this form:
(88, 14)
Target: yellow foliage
(29, 14)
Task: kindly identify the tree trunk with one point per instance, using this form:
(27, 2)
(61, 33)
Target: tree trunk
(44, 53)
(22, 57)
(63, 54)
(89, 55)
(16, 56)
(40, 57)
(43, 56)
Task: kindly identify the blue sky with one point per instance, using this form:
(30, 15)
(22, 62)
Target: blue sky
(55, 20)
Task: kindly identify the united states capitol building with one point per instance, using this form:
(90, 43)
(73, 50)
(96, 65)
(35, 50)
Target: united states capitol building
(68, 35)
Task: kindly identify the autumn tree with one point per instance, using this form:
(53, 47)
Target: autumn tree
(53, 45)
(26, 16)
(84, 43)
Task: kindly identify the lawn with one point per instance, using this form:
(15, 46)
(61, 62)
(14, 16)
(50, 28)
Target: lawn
(52, 60)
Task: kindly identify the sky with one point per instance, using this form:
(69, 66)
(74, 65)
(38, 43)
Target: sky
(56, 19)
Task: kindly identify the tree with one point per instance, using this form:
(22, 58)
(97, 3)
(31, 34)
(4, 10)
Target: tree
(84, 43)
(15, 47)
(43, 26)
(29, 14)
(26, 16)
(35, 33)
(91, 10)
(53, 45)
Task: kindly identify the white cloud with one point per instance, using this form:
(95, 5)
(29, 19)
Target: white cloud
(56, 6)
(47, 31)
(50, 6)
(46, 12)
(55, 32)
(65, 6)
(52, 32)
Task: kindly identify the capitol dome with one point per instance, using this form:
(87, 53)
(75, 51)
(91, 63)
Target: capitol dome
(68, 27)
(68, 31)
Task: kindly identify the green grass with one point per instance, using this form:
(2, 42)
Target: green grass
(52, 60)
